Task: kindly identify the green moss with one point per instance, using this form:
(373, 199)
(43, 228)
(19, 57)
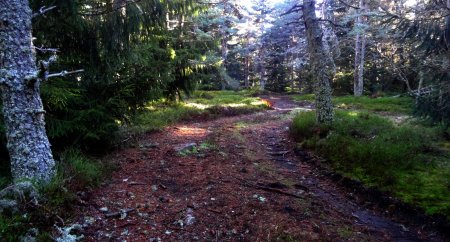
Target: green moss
(380, 104)
(403, 160)
(159, 114)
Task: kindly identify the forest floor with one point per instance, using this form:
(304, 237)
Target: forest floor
(232, 179)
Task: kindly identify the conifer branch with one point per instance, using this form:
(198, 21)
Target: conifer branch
(43, 10)
(295, 8)
(106, 11)
(64, 73)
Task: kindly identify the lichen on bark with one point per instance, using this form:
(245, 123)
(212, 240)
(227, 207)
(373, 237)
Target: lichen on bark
(28, 145)
(321, 63)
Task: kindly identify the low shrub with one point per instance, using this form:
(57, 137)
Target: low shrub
(403, 160)
(378, 104)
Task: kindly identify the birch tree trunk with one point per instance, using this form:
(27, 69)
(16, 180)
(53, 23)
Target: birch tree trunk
(28, 145)
(321, 63)
(360, 49)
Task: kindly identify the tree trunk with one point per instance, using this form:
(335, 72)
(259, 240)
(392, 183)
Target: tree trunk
(28, 145)
(262, 70)
(360, 49)
(321, 63)
(247, 72)
(419, 89)
(447, 29)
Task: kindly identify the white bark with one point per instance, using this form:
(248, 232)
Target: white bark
(28, 145)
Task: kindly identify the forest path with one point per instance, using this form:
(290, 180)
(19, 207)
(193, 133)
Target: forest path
(230, 179)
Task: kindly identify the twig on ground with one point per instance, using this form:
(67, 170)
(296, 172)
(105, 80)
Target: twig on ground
(136, 184)
(117, 214)
(265, 188)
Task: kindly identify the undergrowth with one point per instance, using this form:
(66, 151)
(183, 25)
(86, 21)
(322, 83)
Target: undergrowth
(379, 104)
(404, 160)
(76, 172)
(202, 105)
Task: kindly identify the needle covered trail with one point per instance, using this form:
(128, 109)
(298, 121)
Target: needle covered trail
(231, 179)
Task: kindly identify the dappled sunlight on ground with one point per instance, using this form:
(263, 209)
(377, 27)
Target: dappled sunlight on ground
(190, 131)
(197, 105)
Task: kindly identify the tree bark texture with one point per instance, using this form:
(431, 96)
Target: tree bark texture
(447, 29)
(262, 70)
(28, 145)
(321, 63)
(360, 49)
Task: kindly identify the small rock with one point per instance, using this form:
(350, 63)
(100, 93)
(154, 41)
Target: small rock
(88, 221)
(189, 219)
(404, 228)
(164, 199)
(30, 236)
(201, 156)
(131, 195)
(184, 147)
(125, 232)
(168, 232)
(104, 209)
(154, 188)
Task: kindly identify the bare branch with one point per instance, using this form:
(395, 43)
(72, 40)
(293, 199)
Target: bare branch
(95, 12)
(295, 8)
(43, 50)
(348, 5)
(64, 73)
(43, 10)
(331, 22)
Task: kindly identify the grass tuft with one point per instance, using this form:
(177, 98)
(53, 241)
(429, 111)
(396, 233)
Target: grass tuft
(202, 105)
(404, 160)
(380, 104)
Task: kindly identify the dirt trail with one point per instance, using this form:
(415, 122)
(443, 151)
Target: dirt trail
(238, 180)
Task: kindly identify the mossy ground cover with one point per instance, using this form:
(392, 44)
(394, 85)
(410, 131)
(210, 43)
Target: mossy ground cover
(395, 104)
(75, 172)
(202, 104)
(404, 160)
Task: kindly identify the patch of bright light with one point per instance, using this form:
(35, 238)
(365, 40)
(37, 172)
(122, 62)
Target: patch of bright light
(197, 105)
(234, 105)
(353, 114)
(257, 103)
(188, 131)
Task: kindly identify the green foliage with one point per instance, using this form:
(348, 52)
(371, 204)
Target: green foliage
(75, 172)
(402, 159)
(130, 56)
(384, 104)
(436, 106)
(162, 116)
(195, 150)
(12, 227)
(203, 104)
(379, 104)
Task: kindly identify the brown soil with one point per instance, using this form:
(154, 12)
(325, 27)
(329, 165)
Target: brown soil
(242, 182)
